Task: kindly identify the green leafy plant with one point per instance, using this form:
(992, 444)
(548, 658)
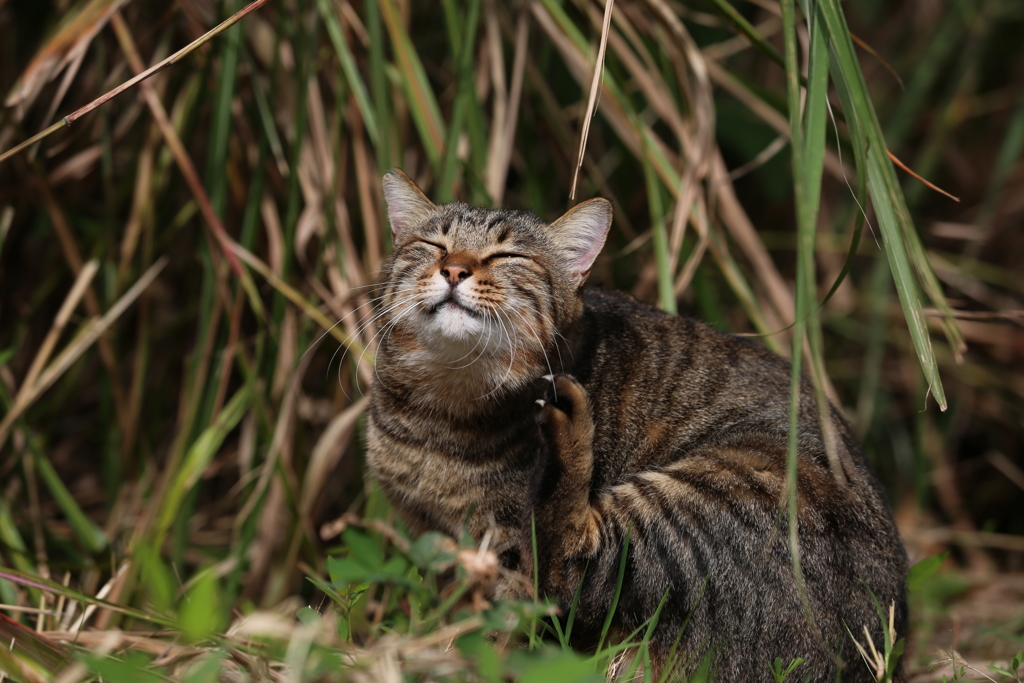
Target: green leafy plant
(781, 672)
(922, 571)
(1012, 668)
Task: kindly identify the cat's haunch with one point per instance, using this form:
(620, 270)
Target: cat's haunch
(654, 433)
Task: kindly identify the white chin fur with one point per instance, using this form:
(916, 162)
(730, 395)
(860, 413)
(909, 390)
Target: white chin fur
(453, 332)
(458, 324)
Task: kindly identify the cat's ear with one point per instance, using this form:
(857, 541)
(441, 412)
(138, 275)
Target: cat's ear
(407, 205)
(581, 232)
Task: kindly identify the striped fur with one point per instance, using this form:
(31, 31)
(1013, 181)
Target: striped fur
(655, 428)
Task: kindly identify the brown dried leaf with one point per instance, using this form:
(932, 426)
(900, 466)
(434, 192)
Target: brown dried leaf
(67, 45)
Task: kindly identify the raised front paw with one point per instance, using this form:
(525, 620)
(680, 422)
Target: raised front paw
(558, 508)
(566, 423)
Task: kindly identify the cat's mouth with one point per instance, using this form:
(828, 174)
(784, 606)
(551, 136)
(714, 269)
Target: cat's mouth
(450, 302)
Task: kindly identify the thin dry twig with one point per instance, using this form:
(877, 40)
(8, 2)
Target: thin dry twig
(181, 156)
(142, 76)
(595, 89)
(90, 332)
(78, 290)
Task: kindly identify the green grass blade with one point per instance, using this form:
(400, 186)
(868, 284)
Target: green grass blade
(30, 581)
(348, 67)
(199, 457)
(899, 263)
(618, 589)
(574, 606)
(804, 269)
(816, 105)
(740, 23)
(811, 169)
(265, 115)
(890, 206)
(220, 135)
(463, 100)
(14, 546)
(930, 283)
(422, 103)
(379, 87)
(24, 646)
(536, 577)
(666, 279)
(91, 536)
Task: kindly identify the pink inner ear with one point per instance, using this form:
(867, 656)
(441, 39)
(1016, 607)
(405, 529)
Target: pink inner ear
(407, 205)
(584, 258)
(581, 232)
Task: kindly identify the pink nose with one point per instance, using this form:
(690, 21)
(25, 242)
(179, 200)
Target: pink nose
(455, 273)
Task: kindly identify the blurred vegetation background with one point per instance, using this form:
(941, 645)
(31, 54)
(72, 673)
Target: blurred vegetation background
(185, 273)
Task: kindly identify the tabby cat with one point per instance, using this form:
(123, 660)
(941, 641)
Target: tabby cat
(511, 401)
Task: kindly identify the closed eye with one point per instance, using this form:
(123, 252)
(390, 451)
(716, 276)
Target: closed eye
(504, 254)
(444, 250)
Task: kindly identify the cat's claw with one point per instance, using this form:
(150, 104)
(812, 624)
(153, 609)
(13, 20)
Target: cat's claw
(567, 426)
(565, 395)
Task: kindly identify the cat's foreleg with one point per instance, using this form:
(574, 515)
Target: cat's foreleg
(560, 519)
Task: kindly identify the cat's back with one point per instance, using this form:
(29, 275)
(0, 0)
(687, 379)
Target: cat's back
(671, 363)
(661, 383)
(691, 435)
(618, 328)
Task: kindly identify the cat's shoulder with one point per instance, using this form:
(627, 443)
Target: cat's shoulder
(614, 305)
(609, 310)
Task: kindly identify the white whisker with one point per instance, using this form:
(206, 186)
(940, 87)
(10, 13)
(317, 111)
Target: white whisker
(410, 300)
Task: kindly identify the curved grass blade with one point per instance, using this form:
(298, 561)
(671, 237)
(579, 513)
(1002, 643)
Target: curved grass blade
(23, 643)
(422, 103)
(45, 585)
(890, 206)
(463, 100)
(199, 457)
(748, 30)
(153, 70)
(348, 66)
(666, 281)
(91, 536)
(808, 166)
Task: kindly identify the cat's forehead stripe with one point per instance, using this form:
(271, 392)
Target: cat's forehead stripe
(492, 220)
(475, 225)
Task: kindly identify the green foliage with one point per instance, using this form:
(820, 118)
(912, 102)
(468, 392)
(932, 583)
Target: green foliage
(27, 656)
(924, 570)
(623, 558)
(1012, 668)
(555, 665)
(134, 667)
(206, 669)
(780, 673)
(156, 579)
(483, 655)
(200, 614)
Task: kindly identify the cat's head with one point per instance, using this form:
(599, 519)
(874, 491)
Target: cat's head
(480, 290)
